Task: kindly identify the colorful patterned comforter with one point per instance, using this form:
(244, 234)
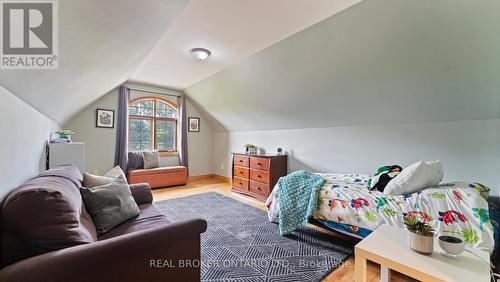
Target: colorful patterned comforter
(346, 204)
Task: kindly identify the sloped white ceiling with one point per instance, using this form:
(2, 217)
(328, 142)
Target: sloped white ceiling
(100, 44)
(378, 62)
(231, 30)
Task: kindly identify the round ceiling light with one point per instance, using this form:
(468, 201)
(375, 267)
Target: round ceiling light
(200, 53)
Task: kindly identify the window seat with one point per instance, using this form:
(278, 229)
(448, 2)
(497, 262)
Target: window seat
(159, 177)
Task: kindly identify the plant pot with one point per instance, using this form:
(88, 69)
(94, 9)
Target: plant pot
(420, 243)
(251, 150)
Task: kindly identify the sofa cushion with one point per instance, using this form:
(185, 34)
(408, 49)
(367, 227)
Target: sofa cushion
(159, 177)
(69, 172)
(110, 204)
(158, 170)
(45, 214)
(149, 217)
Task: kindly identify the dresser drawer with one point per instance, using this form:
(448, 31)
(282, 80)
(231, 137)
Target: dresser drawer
(260, 163)
(241, 171)
(259, 175)
(259, 188)
(256, 175)
(240, 182)
(241, 160)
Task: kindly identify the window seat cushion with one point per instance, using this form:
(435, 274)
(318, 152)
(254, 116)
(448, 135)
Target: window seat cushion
(159, 177)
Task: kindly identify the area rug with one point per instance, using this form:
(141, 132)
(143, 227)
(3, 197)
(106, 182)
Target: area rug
(240, 243)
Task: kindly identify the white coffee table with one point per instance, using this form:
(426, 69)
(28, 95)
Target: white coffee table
(387, 247)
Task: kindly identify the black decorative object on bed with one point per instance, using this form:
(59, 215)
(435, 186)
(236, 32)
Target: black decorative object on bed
(382, 176)
(241, 243)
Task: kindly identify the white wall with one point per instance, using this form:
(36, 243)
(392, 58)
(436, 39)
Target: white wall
(383, 82)
(377, 62)
(25, 132)
(100, 44)
(200, 144)
(469, 150)
(100, 143)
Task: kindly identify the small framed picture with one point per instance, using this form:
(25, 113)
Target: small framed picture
(105, 118)
(193, 124)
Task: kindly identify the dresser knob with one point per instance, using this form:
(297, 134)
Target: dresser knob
(241, 172)
(259, 176)
(258, 188)
(259, 164)
(241, 161)
(241, 183)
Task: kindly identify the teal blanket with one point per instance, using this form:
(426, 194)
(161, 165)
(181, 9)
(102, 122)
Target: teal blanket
(298, 199)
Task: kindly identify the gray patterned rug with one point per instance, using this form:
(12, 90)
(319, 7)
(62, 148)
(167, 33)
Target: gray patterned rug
(240, 244)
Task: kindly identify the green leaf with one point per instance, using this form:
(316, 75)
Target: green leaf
(470, 235)
(371, 216)
(418, 226)
(437, 195)
(390, 212)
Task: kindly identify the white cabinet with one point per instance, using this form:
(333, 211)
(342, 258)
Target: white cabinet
(67, 153)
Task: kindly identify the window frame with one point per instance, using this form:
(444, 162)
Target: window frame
(153, 120)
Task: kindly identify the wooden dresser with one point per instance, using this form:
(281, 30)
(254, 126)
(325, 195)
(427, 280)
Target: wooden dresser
(256, 175)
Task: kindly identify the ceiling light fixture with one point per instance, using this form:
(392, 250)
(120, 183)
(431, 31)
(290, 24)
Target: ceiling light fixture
(200, 53)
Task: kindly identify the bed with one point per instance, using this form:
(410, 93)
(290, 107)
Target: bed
(346, 205)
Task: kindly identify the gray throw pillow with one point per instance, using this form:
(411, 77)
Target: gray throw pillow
(135, 160)
(151, 159)
(109, 205)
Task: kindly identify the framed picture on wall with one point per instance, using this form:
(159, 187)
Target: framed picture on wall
(105, 118)
(193, 124)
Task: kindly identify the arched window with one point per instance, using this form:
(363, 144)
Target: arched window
(152, 124)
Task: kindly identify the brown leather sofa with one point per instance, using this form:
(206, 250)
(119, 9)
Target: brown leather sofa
(47, 235)
(160, 176)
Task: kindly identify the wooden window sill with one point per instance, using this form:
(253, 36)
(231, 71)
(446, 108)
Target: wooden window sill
(168, 154)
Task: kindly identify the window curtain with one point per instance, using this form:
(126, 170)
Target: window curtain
(121, 153)
(181, 109)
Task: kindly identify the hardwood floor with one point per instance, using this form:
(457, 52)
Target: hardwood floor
(199, 185)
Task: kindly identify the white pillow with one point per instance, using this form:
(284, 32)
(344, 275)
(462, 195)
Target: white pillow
(151, 159)
(415, 177)
(437, 165)
(117, 174)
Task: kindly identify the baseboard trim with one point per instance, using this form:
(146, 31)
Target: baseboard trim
(200, 177)
(208, 176)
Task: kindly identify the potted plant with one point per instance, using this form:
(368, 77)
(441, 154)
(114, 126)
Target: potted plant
(250, 149)
(420, 235)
